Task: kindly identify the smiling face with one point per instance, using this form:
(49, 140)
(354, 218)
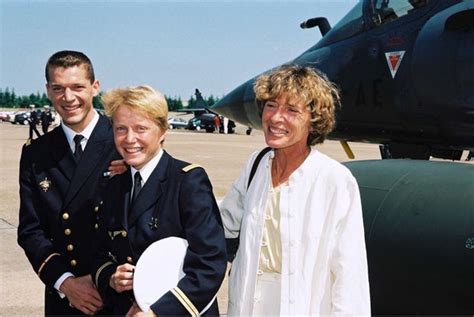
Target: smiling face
(286, 123)
(137, 137)
(71, 93)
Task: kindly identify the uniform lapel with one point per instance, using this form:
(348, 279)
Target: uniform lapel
(91, 157)
(152, 190)
(61, 153)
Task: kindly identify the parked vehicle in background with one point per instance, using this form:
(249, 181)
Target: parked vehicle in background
(204, 121)
(20, 118)
(5, 115)
(177, 123)
(194, 124)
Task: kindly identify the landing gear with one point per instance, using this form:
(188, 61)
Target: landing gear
(384, 152)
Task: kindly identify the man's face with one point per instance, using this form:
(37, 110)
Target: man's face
(71, 94)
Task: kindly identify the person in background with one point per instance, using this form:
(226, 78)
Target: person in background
(33, 121)
(61, 175)
(159, 197)
(299, 221)
(46, 119)
(225, 124)
(217, 123)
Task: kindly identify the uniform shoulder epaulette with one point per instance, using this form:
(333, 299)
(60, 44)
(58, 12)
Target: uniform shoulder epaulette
(190, 167)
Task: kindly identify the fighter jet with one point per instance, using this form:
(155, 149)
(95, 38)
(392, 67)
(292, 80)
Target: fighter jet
(204, 118)
(405, 69)
(406, 73)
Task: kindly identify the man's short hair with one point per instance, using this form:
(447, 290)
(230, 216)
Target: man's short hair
(67, 59)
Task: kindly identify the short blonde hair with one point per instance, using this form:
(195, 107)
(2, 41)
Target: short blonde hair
(308, 85)
(141, 99)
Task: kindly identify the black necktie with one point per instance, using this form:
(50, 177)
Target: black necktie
(137, 186)
(78, 149)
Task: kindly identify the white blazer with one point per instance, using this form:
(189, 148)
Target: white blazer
(324, 262)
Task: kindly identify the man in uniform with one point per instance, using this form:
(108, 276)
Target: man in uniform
(33, 121)
(60, 175)
(46, 119)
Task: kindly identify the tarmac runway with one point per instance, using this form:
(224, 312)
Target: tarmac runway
(223, 156)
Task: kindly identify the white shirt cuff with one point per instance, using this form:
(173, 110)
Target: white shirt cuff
(60, 281)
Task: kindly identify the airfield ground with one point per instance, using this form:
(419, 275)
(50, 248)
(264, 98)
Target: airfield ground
(223, 156)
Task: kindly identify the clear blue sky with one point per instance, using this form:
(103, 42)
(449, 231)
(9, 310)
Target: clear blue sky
(174, 46)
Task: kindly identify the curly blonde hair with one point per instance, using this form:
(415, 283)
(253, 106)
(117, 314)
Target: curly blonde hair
(142, 99)
(308, 85)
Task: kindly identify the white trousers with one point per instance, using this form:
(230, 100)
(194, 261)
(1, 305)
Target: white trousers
(267, 295)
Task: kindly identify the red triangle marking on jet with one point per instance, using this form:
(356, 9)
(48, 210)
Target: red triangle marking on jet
(394, 60)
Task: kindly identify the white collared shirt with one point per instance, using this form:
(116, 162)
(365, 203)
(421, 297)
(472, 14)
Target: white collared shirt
(147, 169)
(86, 133)
(70, 134)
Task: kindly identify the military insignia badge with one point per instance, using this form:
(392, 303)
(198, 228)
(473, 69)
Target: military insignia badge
(45, 184)
(153, 224)
(114, 234)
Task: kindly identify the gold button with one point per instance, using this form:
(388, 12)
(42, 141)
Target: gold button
(96, 208)
(96, 226)
(124, 233)
(73, 263)
(65, 216)
(129, 259)
(70, 247)
(67, 231)
(101, 202)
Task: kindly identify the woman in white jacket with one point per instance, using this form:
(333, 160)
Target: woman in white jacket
(299, 220)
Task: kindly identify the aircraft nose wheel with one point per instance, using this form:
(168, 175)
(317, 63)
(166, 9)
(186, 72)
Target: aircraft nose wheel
(385, 151)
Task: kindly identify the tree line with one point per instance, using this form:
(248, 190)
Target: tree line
(9, 99)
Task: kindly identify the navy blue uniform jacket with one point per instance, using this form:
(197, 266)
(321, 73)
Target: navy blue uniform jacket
(58, 203)
(175, 201)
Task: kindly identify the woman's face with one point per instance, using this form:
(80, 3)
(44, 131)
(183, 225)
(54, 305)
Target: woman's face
(137, 138)
(286, 123)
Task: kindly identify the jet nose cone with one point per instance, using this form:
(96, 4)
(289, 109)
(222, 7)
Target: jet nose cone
(232, 105)
(239, 105)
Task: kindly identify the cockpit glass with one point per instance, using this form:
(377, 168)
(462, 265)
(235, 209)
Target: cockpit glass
(350, 25)
(389, 10)
(354, 15)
